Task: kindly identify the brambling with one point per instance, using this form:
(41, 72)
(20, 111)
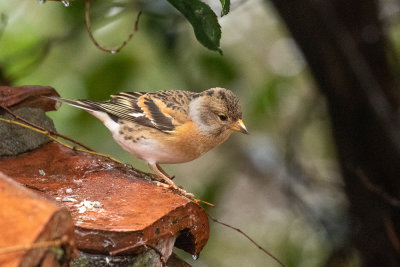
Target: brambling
(167, 127)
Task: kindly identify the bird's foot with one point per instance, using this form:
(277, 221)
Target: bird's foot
(186, 194)
(163, 176)
(161, 184)
(176, 188)
(182, 192)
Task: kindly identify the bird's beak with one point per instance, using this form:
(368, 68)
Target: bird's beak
(239, 127)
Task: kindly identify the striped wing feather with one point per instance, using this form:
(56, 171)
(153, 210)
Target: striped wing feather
(162, 110)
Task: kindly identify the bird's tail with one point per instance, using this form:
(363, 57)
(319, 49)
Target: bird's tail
(83, 104)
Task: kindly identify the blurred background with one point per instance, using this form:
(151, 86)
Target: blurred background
(280, 184)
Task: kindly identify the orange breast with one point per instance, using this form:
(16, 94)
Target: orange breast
(191, 142)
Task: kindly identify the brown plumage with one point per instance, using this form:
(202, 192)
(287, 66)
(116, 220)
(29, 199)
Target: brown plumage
(168, 126)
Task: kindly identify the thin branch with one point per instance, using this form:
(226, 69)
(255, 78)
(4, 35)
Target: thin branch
(391, 234)
(105, 49)
(49, 135)
(43, 129)
(43, 244)
(248, 237)
(377, 190)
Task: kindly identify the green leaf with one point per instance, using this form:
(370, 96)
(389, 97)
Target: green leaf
(204, 22)
(226, 5)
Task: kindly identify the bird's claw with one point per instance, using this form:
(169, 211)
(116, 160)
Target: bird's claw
(161, 184)
(180, 190)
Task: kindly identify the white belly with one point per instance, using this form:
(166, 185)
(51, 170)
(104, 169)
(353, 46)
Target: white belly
(149, 151)
(145, 149)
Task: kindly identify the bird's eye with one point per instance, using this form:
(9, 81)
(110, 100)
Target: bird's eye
(223, 117)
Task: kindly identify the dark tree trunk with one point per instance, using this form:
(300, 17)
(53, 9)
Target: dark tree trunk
(346, 48)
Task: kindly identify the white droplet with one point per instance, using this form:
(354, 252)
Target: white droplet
(66, 3)
(195, 257)
(113, 51)
(68, 191)
(69, 199)
(42, 2)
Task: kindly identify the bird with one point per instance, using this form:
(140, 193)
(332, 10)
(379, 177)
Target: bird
(168, 126)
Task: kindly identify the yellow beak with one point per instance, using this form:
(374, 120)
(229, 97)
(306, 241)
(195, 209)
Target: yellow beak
(239, 127)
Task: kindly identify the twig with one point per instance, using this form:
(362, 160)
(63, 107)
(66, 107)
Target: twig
(36, 130)
(109, 50)
(49, 135)
(43, 244)
(377, 190)
(391, 233)
(202, 201)
(248, 237)
(43, 129)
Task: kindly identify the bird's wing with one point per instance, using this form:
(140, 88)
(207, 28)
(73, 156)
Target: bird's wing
(174, 104)
(162, 110)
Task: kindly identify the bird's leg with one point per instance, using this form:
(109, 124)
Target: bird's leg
(163, 175)
(166, 174)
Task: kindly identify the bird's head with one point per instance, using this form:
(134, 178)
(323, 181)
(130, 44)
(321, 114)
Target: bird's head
(216, 111)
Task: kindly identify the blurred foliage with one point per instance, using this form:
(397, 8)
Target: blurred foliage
(218, 69)
(267, 97)
(109, 84)
(280, 184)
